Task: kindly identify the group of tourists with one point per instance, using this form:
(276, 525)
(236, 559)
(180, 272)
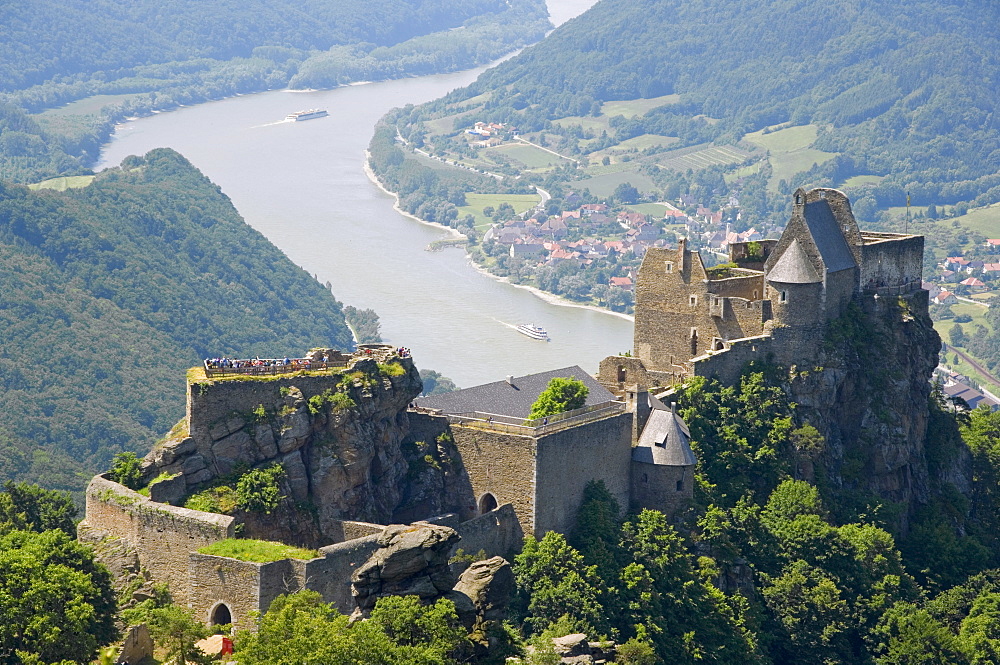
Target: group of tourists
(231, 363)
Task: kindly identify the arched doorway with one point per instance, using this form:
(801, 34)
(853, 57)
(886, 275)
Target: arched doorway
(221, 615)
(487, 502)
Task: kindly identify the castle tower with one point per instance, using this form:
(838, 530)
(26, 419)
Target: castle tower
(813, 272)
(663, 463)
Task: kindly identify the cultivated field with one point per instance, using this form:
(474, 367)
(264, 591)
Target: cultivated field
(63, 183)
(634, 107)
(531, 157)
(476, 202)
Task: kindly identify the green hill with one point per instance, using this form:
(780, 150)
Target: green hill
(907, 91)
(110, 291)
(70, 70)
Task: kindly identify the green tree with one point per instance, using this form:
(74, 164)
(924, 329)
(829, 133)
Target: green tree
(626, 193)
(560, 395)
(56, 602)
(126, 470)
(434, 629)
(176, 629)
(554, 582)
(956, 335)
(908, 635)
(257, 490)
(28, 507)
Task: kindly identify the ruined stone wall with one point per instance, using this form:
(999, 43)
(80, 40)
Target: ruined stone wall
(331, 574)
(841, 287)
(163, 535)
(891, 263)
(217, 579)
(497, 533)
(748, 284)
(656, 487)
(673, 322)
(571, 458)
(726, 366)
(500, 464)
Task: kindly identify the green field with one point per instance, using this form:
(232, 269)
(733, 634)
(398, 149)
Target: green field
(983, 220)
(531, 157)
(604, 185)
(785, 140)
(77, 119)
(635, 143)
(476, 202)
(596, 125)
(86, 106)
(634, 107)
(64, 183)
(786, 165)
(596, 168)
(857, 180)
(701, 157)
(655, 210)
(790, 152)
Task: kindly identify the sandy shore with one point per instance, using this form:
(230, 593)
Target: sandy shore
(550, 298)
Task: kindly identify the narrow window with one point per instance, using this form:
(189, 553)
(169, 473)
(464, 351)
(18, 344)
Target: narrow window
(755, 294)
(645, 478)
(680, 485)
(670, 266)
(692, 300)
(784, 296)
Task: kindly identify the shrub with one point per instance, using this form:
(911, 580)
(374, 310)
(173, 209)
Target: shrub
(257, 490)
(126, 471)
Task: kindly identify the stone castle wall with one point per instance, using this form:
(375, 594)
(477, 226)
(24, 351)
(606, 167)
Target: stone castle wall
(163, 535)
(496, 533)
(892, 263)
(569, 459)
(500, 464)
(655, 487)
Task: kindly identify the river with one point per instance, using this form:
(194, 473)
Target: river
(303, 186)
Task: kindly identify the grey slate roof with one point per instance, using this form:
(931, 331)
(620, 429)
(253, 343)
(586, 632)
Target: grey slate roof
(828, 236)
(793, 267)
(504, 399)
(665, 440)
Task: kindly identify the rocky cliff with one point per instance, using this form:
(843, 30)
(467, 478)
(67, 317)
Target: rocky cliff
(867, 393)
(342, 441)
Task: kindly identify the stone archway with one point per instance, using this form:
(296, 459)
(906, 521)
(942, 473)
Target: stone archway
(487, 502)
(220, 615)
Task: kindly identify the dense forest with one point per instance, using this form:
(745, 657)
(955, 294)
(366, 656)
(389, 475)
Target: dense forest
(137, 57)
(907, 92)
(109, 292)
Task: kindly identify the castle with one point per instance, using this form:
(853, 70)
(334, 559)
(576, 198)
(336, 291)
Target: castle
(773, 300)
(478, 464)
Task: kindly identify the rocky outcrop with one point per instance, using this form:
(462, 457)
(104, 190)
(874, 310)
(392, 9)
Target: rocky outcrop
(487, 587)
(338, 438)
(867, 393)
(411, 561)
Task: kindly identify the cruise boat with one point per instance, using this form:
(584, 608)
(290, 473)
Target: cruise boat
(307, 115)
(533, 331)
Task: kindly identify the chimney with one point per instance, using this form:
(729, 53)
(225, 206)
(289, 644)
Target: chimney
(673, 408)
(510, 379)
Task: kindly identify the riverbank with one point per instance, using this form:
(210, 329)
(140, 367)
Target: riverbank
(550, 298)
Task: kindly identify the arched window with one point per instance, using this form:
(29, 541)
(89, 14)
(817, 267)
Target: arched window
(487, 502)
(221, 615)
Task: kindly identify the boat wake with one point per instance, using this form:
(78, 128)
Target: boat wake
(272, 124)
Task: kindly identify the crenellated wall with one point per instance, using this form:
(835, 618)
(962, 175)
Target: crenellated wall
(163, 535)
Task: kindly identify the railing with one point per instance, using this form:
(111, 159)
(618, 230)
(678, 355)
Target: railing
(274, 367)
(537, 426)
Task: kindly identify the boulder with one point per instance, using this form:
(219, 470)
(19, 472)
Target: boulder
(488, 585)
(571, 646)
(411, 560)
(296, 475)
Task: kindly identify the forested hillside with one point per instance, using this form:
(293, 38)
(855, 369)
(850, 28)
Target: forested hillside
(109, 292)
(45, 40)
(117, 60)
(905, 93)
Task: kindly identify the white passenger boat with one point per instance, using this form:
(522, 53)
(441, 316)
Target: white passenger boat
(533, 331)
(306, 115)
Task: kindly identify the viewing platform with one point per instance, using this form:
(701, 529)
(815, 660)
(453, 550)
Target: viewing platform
(317, 360)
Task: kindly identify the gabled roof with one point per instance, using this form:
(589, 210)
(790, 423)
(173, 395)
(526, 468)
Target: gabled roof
(828, 236)
(793, 267)
(665, 440)
(515, 398)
